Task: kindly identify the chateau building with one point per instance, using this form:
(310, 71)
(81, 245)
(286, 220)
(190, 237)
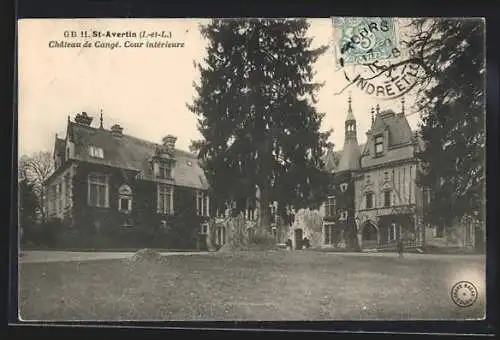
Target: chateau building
(387, 198)
(108, 182)
(375, 200)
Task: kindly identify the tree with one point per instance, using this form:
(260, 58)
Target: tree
(254, 106)
(35, 169)
(453, 110)
(28, 202)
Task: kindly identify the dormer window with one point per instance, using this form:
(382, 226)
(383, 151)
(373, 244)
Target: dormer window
(96, 152)
(164, 169)
(379, 145)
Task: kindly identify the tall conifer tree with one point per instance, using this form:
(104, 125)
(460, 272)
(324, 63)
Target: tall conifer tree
(261, 132)
(453, 116)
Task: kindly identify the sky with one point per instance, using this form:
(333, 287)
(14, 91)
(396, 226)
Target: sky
(145, 90)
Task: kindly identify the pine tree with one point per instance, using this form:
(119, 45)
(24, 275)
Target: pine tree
(453, 112)
(260, 129)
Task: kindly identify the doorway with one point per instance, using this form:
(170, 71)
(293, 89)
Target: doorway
(298, 238)
(370, 235)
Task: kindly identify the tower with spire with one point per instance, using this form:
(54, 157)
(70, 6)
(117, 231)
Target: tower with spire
(350, 157)
(339, 227)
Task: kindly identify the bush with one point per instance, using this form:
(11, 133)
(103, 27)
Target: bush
(262, 238)
(48, 234)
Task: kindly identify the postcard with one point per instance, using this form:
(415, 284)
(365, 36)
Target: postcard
(251, 169)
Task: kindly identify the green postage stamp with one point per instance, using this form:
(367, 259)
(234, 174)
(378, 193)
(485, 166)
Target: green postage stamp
(364, 40)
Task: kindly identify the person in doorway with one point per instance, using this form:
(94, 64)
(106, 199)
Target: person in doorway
(400, 247)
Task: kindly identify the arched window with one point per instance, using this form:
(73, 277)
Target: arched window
(125, 198)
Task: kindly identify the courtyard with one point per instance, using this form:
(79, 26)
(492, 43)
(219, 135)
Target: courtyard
(265, 285)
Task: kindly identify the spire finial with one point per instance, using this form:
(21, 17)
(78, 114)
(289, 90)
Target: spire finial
(101, 126)
(403, 105)
(378, 108)
(350, 115)
(373, 116)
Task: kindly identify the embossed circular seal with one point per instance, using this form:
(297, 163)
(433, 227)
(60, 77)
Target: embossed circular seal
(464, 294)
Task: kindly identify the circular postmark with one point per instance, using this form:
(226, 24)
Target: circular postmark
(369, 52)
(464, 294)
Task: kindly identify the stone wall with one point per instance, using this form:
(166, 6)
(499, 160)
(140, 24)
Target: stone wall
(311, 223)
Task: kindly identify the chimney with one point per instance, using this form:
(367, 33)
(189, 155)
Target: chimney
(169, 142)
(83, 119)
(117, 130)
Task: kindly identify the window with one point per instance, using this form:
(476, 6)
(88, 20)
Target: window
(275, 234)
(204, 229)
(387, 198)
(62, 195)
(379, 145)
(163, 225)
(67, 179)
(343, 187)
(202, 203)
(330, 207)
(221, 236)
(164, 169)
(386, 176)
(343, 215)
(52, 200)
(98, 190)
(369, 200)
(96, 152)
(125, 198)
(426, 196)
(128, 223)
(165, 203)
(328, 234)
(250, 211)
(273, 213)
(391, 235)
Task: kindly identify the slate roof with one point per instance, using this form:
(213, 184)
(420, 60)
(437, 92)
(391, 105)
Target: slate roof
(399, 130)
(332, 158)
(401, 138)
(136, 154)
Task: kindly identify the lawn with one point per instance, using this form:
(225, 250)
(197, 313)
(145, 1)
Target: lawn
(275, 285)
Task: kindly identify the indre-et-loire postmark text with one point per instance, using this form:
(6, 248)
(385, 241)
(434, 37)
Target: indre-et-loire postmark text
(369, 52)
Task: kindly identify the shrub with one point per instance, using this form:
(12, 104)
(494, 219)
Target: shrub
(262, 238)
